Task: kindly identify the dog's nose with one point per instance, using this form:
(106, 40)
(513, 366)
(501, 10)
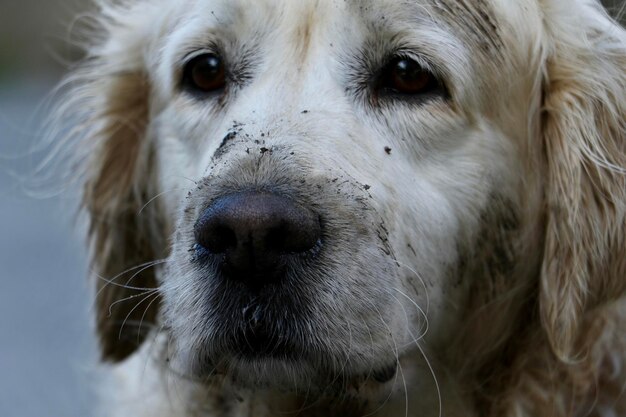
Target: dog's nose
(257, 232)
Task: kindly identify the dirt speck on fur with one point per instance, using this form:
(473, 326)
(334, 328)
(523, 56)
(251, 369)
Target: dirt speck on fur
(387, 150)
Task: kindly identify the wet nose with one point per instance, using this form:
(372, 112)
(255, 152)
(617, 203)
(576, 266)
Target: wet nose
(257, 232)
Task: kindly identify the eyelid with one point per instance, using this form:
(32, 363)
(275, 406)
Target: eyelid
(193, 55)
(196, 52)
(422, 61)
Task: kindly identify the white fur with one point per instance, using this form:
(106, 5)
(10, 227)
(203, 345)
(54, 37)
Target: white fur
(462, 194)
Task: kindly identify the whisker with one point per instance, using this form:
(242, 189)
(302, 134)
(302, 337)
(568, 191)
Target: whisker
(135, 323)
(399, 363)
(132, 310)
(415, 340)
(406, 390)
(397, 355)
(419, 277)
(426, 321)
(155, 197)
(155, 263)
(112, 282)
(143, 316)
(342, 372)
(130, 298)
(432, 372)
(187, 178)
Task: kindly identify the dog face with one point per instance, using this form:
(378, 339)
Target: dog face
(356, 119)
(337, 178)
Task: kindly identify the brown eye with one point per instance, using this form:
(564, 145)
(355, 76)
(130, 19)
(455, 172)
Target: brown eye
(204, 74)
(407, 77)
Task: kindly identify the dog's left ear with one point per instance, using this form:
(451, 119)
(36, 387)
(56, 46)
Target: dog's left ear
(584, 137)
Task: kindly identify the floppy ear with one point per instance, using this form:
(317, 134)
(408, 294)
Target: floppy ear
(584, 264)
(125, 237)
(109, 107)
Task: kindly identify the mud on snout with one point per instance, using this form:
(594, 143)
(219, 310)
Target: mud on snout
(280, 264)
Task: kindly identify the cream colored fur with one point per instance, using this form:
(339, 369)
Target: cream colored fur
(479, 241)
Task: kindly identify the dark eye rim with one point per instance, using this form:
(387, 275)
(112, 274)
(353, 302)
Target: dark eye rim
(187, 84)
(382, 88)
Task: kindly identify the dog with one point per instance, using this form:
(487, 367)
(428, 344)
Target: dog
(355, 208)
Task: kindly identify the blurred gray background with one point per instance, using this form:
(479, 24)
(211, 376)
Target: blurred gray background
(47, 351)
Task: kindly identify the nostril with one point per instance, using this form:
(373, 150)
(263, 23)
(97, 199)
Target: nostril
(300, 236)
(217, 238)
(276, 239)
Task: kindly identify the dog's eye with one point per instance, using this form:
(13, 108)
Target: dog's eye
(205, 73)
(407, 77)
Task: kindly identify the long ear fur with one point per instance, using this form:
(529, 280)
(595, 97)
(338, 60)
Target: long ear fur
(108, 104)
(571, 363)
(126, 240)
(584, 125)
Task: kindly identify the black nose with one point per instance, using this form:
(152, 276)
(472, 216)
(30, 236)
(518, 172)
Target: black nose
(257, 232)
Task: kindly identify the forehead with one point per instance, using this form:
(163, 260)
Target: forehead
(472, 20)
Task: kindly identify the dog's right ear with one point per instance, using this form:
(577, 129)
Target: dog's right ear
(108, 108)
(126, 240)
